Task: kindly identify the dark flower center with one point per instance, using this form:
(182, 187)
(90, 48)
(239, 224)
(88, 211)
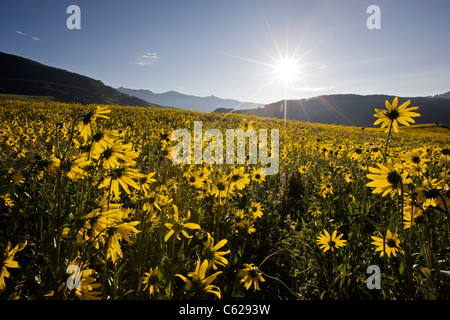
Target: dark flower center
(87, 117)
(107, 153)
(85, 148)
(431, 193)
(97, 137)
(221, 186)
(253, 272)
(391, 243)
(394, 178)
(117, 173)
(151, 199)
(153, 280)
(235, 177)
(416, 159)
(208, 253)
(164, 136)
(43, 164)
(393, 114)
(142, 180)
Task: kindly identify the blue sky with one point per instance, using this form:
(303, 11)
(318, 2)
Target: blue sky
(228, 48)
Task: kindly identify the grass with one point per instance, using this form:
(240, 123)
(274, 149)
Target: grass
(8, 96)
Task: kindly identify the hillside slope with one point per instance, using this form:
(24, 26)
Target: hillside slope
(27, 77)
(350, 109)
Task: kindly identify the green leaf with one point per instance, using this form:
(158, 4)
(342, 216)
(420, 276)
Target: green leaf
(377, 225)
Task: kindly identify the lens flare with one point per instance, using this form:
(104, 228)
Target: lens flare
(286, 70)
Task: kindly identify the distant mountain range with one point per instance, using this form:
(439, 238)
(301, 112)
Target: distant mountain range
(184, 101)
(350, 109)
(27, 77)
(444, 95)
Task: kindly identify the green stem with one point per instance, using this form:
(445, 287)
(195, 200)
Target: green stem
(274, 278)
(109, 192)
(407, 248)
(387, 142)
(448, 215)
(445, 172)
(385, 263)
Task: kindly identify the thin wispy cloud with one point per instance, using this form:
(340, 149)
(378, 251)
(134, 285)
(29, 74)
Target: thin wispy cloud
(145, 59)
(141, 63)
(149, 55)
(24, 34)
(322, 67)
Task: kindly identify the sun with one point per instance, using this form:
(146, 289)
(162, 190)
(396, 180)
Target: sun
(286, 70)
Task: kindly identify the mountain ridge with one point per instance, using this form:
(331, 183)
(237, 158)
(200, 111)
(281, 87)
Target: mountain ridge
(443, 95)
(24, 76)
(184, 101)
(349, 109)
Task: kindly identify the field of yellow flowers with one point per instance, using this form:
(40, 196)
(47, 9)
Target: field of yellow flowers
(92, 207)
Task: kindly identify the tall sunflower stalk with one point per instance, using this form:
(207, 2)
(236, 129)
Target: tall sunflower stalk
(389, 178)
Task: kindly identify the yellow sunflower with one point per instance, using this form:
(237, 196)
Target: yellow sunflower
(387, 178)
(389, 245)
(327, 242)
(85, 125)
(256, 210)
(123, 176)
(179, 225)
(257, 176)
(393, 115)
(415, 161)
(221, 187)
(238, 178)
(151, 281)
(250, 275)
(212, 254)
(9, 262)
(199, 283)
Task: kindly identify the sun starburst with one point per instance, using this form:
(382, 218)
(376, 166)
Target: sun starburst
(286, 69)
